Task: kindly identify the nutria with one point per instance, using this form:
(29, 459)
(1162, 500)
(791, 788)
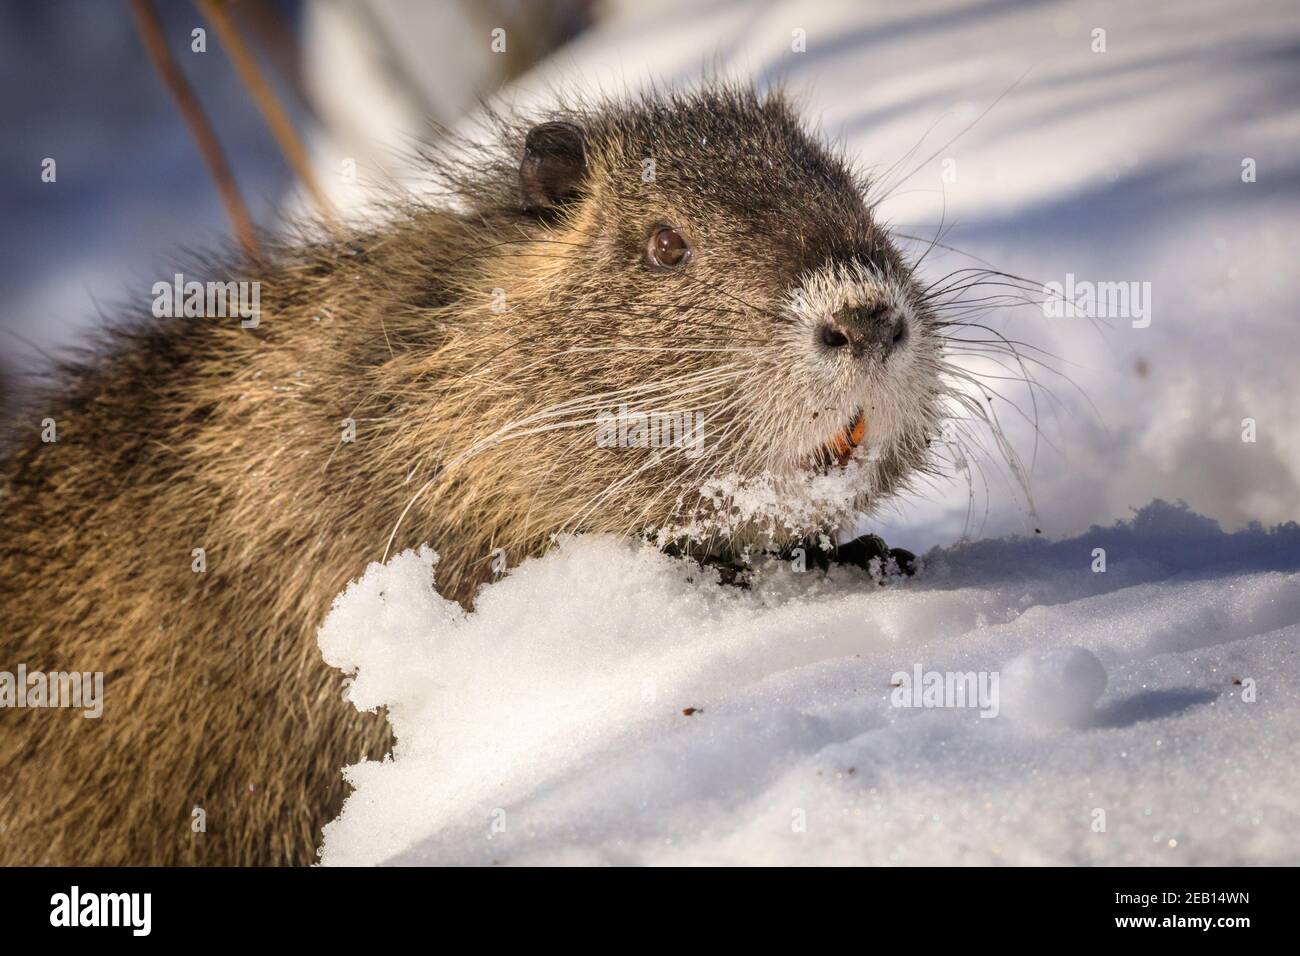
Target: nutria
(440, 378)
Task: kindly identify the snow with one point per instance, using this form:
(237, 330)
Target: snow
(551, 724)
(1055, 686)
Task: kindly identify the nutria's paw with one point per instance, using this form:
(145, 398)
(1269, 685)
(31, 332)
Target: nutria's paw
(906, 560)
(731, 571)
(861, 551)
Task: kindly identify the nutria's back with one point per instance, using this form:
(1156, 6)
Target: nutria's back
(626, 318)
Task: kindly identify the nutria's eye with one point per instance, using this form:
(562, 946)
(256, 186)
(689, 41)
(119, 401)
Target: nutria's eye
(667, 248)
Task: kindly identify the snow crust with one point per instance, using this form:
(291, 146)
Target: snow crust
(610, 704)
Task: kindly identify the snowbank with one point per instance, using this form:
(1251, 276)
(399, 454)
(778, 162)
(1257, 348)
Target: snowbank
(609, 704)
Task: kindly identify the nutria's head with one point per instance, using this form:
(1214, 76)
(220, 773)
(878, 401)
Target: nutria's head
(687, 321)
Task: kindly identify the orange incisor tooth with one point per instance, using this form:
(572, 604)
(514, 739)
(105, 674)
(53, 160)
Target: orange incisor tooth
(844, 443)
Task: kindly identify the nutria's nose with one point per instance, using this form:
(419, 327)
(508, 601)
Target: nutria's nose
(875, 330)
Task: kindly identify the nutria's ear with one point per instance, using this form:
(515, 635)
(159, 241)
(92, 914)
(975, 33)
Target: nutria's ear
(554, 165)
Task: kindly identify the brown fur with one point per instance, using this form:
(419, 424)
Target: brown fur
(474, 432)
